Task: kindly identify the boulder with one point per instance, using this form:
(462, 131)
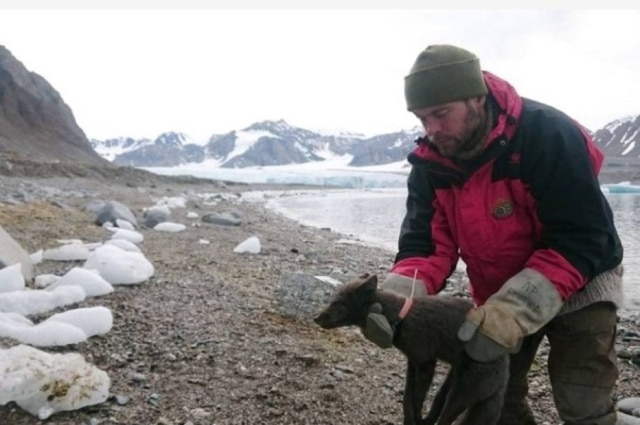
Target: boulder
(12, 253)
(303, 296)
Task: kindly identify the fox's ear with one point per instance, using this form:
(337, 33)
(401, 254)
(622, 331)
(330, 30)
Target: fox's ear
(371, 283)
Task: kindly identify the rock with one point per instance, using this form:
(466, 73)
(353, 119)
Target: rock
(154, 399)
(94, 206)
(624, 419)
(138, 377)
(302, 296)
(122, 400)
(200, 413)
(344, 368)
(12, 253)
(156, 215)
(631, 353)
(222, 219)
(113, 210)
(628, 405)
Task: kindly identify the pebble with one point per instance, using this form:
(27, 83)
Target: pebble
(200, 413)
(628, 349)
(337, 374)
(344, 368)
(122, 400)
(138, 377)
(153, 399)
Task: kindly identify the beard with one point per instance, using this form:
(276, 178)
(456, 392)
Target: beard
(469, 141)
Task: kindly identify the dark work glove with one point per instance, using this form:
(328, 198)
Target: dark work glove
(378, 330)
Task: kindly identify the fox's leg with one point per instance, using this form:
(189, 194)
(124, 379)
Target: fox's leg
(456, 397)
(479, 388)
(417, 384)
(485, 412)
(438, 401)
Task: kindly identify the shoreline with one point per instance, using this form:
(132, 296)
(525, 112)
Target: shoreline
(205, 333)
(278, 203)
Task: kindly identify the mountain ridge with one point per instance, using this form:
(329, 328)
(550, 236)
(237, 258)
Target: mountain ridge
(36, 123)
(270, 143)
(264, 143)
(34, 119)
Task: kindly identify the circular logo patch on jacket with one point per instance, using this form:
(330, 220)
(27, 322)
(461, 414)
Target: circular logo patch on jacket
(502, 208)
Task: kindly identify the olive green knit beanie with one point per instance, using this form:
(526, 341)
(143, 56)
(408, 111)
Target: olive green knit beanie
(442, 74)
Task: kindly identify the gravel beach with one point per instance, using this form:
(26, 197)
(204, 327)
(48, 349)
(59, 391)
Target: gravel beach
(203, 342)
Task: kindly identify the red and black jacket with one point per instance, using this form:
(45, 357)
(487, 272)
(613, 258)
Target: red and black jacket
(531, 200)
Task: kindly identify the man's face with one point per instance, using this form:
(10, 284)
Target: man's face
(453, 127)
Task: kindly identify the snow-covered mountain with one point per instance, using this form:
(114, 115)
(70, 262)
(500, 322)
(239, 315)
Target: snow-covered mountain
(110, 148)
(620, 138)
(620, 142)
(167, 150)
(264, 143)
(270, 143)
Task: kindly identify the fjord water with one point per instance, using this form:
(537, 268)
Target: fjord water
(374, 216)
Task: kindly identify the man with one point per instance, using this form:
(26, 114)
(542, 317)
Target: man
(510, 185)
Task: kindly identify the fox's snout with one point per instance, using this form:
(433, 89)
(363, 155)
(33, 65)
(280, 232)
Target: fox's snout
(322, 320)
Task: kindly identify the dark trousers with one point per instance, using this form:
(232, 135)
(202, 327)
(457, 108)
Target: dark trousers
(582, 368)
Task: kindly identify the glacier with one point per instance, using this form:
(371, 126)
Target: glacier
(325, 173)
(334, 173)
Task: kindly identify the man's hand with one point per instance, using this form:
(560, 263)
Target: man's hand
(403, 286)
(490, 331)
(523, 305)
(378, 329)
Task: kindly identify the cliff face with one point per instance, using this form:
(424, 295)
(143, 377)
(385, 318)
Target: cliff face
(34, 119)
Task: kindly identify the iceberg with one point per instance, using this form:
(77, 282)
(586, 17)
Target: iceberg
(623, 187)
(43, 383)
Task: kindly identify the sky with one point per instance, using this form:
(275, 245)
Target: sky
(141, 71)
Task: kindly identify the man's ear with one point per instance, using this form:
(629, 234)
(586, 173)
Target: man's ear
(477, 101)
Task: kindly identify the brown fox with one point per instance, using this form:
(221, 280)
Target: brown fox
(426, 334)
